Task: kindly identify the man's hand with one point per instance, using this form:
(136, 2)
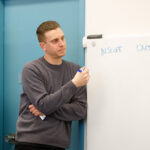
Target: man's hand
(35, 111)
(81, 78)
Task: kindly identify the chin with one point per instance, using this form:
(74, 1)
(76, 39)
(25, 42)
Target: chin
(63, 53)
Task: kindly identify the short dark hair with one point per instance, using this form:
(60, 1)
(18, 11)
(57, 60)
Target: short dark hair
(44, 27)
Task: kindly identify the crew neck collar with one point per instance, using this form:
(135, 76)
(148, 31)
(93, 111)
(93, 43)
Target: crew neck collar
(51, 65)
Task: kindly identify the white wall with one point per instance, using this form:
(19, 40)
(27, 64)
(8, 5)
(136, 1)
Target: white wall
(113, 17)
(116, 17)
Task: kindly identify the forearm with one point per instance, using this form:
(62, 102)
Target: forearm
(76, 110)
(49, 103)
(71, 112)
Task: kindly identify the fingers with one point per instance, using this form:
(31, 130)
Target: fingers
(81, 77)
(85, 73)
(84, 69)
(31, 106)
(34, 111)
(87, 76)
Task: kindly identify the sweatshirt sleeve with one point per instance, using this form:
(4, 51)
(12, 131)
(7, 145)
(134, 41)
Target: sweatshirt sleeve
(76, 110)
(34, 88)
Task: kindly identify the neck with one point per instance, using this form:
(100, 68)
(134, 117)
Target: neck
(53, 61)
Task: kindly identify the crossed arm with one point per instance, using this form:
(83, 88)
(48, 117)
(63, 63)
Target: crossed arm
(75, 110)
(68, 103)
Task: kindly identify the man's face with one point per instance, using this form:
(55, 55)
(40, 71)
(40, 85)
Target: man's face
(55, 43)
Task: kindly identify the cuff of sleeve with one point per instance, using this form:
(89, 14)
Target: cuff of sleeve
(72, 88)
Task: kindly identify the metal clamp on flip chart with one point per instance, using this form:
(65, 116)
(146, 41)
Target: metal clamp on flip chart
(93, 36)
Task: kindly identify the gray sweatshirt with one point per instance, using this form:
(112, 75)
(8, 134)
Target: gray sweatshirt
(50, 89)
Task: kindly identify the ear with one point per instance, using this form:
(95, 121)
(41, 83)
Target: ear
(42, 45)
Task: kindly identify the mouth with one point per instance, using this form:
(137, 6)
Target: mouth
(62, 50)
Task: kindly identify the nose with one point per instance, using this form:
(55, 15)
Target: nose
(61, 43)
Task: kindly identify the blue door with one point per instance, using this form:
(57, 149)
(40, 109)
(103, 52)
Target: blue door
(21, 46)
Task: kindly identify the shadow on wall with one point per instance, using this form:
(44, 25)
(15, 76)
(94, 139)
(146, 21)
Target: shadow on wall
(26, 2)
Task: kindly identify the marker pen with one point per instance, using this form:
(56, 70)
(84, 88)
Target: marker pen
(80, 70)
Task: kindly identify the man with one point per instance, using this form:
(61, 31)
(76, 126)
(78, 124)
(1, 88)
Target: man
(53, 87)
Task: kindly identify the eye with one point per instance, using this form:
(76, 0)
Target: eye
(55, 41)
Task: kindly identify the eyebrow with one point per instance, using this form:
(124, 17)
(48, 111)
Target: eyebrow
(58, 38)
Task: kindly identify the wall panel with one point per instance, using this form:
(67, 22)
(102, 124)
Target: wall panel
(1, 73)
